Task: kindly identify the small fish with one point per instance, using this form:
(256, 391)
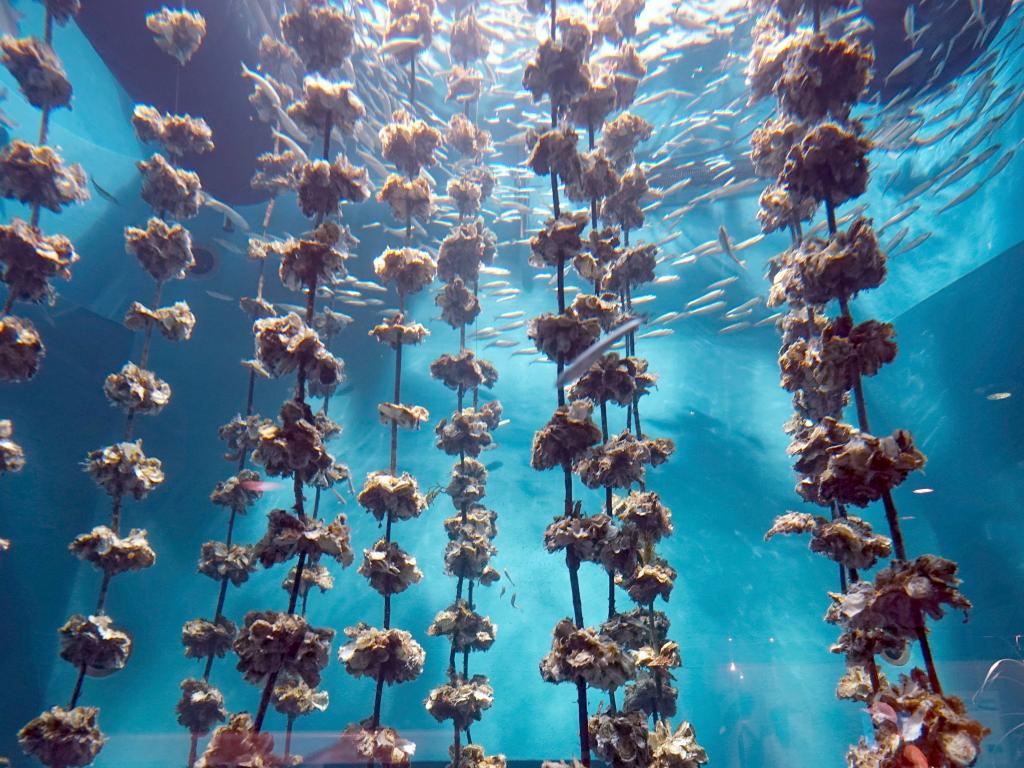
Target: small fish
(735, 311)
(504, 423)
(913, 244)
(229, 213)
(723, 238)
(666, 279)
(508, 577)
(495, 284)
(432, 494)
(507, 292)
(220, 296)
(657, 334)
(502, 593)
(511, 315)
(706, 309)
(904, 65)
(495, 271)
(967, 193)
(512, 326)
(503, 343)
(665, 318)
(260, 486)
(338, 496)
(505, 299)
(999, 396)
(923, 491)
(575, 369)
(734, 327)
(103, 193)
(770, 320)
(400, 45)
(525, 351)
(513, 599)
(645, 299)
(709, 296)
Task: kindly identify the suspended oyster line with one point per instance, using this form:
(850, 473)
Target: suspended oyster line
(817, 79)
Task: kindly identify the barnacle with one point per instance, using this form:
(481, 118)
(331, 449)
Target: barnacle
(296, 447)
(387, 495)
(94, 645)
(467, 556)
(270, 642)
(620, 739)
(648, 581)
(566, 437)
(203, 639)
(563, 336)
(467, 41)
(618, 463)
(313, 575)
(111, 553)
(860, 470)
(389, 655)
(459, 305)
(468, 484)
(466, 628)
(320, 33)
(627, 69)
(770, 144)
(830, 163)
(676, 749)
(823, 76)
(329, 323)
(168, 190)
(650, 693)
(644, 512)
(465, 432)
(394, 331)
(584, 653)
(122, 468)
(622, 206)
(559, 242)
(39, 176)
(620, 137)
(389, 568)
(275, 171)
(461, 701)
(220, 561)
(12, 457)
(381, 744)
(465, 195)
(38, 70)
(284, 344)
(613, 378)
(21, 349)
(466, 138)
(177, 33)
(241, 435)
(606, 311)
(407, 198)
(239, 743)
(850, 262)
(597, 178)
(466, 247)
(410, 270)
(175, 323)
(29, 260)
(554, 151)
(200, 707)
(405, 416)
(464, 371)
(473, 756)
(289, 535)
(293, 697)
(164, 250)
(179, 134)
(781, 206)
(63, 737)
(583, 536)
(847, 540)
(591, 108)
(632, 630)
(411, 21)
(633, 267)
(323, 186)
(326, 102)
(136, 390)
(409, 144)
(277, 58)
(558, 70)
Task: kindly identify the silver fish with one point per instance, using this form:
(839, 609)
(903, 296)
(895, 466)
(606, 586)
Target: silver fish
(578, 366)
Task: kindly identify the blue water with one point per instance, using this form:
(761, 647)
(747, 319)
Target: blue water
(757, 680)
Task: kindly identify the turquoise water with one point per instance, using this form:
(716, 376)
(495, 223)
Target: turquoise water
(757, 680)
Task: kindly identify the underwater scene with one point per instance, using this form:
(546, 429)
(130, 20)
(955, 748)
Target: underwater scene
(496, 383)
